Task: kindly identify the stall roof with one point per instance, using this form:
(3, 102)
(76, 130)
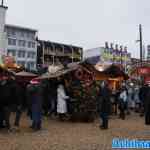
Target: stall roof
(26, 74)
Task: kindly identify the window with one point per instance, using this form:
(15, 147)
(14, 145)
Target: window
(11, 32)
(22, 34)
(21, 54)
(29, 44)
(32, 36)
(11, 41)
(30, 65)
(31, 55)
(22, 43)
(21, 63)
(11, 52)
(33, 45)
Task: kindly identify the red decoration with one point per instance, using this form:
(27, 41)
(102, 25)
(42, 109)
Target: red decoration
(79, 74)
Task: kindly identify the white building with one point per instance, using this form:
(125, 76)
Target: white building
(22, 45)
(3, 39)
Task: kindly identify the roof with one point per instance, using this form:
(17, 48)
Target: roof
(20, 27)
(26, 74)
(93, 60)
(61, 44)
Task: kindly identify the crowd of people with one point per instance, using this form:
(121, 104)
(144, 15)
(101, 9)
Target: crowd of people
(126, 99)
(52, 98)
(37, 99)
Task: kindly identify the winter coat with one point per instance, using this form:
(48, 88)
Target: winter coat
(147, 100)
(61, 100)
(142, 93)
(104, 100)
(35, 98)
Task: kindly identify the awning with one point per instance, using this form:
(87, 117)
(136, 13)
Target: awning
(26, 74)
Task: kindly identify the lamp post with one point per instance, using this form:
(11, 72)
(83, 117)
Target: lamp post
(141, 45)
(2, 3)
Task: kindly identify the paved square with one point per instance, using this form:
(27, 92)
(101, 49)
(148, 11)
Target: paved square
(74, 136)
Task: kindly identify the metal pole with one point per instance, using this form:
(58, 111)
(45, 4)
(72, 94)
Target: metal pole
(43, 51)
(141, 44)
(121, 59)
(2, 3)
(72, 53)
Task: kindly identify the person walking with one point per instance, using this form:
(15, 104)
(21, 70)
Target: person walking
(61, 101)
(147, 106)
(104, 104)
(36, 106)
(123, 102)
(142, 95)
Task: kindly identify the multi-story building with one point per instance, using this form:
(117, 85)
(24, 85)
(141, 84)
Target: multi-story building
(49, 53)
(3, 39)
(22, 45)
(148, 52)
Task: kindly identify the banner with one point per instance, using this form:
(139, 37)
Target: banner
(114, 56)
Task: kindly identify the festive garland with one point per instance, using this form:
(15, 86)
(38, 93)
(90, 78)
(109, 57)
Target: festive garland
(79, 74)
(85, 76)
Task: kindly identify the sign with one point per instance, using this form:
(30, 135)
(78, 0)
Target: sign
(144, 71)
(8, 60)
(147, 80)
(114, 56)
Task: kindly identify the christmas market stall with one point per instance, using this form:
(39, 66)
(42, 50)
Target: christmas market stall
(79, 82)
(82, 82)
(82, 90)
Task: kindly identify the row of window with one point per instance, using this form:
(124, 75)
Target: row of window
(21, 43)
(29, 65)
(21, 54)
(21, 34)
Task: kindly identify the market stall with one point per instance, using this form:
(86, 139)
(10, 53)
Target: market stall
(82, 82)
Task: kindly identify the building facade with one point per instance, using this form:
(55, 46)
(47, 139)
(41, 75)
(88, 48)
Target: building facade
(148, 52)
(3, 39)
(49, 53)
(22, 45)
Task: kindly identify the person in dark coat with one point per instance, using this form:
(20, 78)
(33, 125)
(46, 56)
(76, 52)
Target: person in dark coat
(36, 106)
(1, 108)
(147, 106)
(142, 95)
(104, 104)
(19, 96)
(52, 97)
(7, 100)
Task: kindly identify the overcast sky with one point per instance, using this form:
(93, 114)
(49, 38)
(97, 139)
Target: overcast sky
(86, 23)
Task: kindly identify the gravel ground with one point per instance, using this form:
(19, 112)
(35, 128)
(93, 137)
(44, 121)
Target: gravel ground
(57, 135)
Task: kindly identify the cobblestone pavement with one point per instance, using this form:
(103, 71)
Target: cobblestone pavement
(74, 136)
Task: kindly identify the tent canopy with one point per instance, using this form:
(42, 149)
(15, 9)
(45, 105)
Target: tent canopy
(26, 74)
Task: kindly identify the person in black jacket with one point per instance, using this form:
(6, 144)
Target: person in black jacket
(142, 95)
(104, 104)
(147, 106)
(7, 100)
